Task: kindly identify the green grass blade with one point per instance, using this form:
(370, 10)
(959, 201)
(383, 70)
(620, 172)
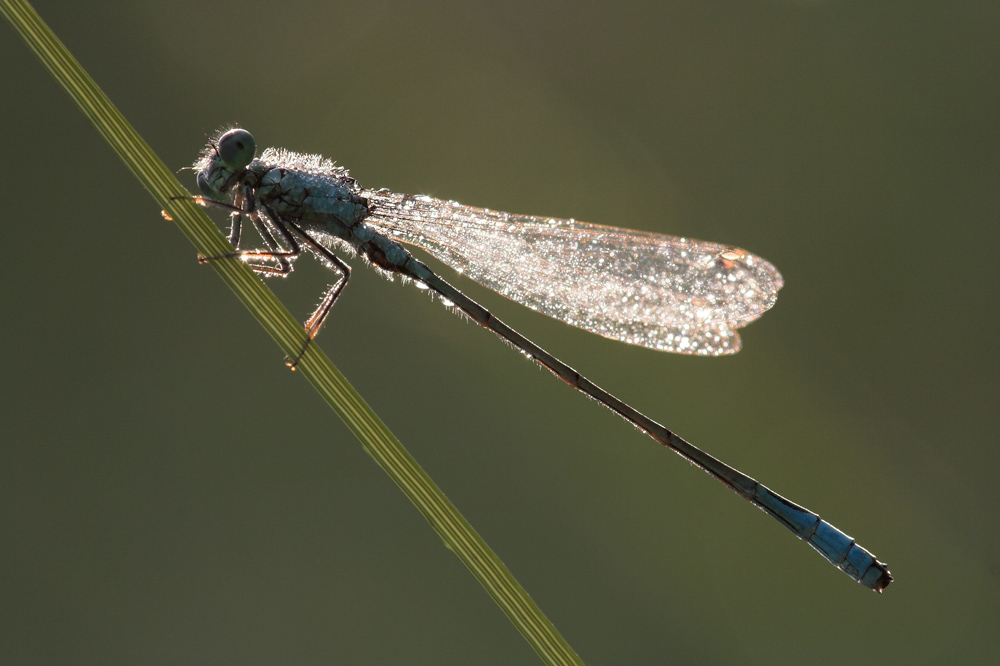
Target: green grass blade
(375, 437)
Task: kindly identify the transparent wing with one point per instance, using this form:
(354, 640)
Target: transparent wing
(663, 292)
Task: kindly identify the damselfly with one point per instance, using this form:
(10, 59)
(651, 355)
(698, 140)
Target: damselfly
(662, 292)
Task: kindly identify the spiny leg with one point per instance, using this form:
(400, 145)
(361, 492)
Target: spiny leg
(265, 220)
(235, 228)
(315, 321)
(275, 251)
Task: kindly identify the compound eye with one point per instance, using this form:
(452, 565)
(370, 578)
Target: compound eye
(237, 149)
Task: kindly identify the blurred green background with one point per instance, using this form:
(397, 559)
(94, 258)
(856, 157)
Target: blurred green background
(172, 494)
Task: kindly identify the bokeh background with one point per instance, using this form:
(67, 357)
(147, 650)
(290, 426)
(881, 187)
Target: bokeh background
(172, 494)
